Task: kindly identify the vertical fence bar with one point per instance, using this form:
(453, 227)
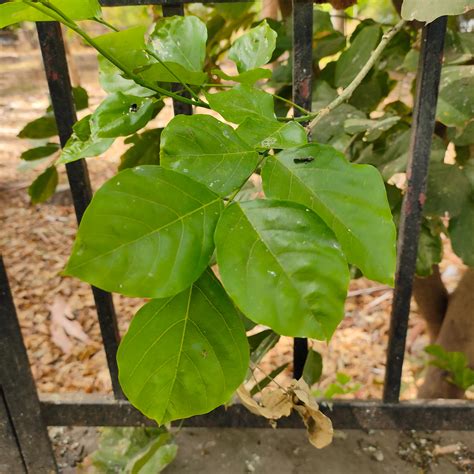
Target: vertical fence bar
(57, 75)
(178, 107)
(10, 455)
(429, 72)
(302, 89)
(18, 389)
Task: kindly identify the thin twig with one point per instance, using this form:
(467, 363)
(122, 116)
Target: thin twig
(154, 55)
(367, 291)
(349, 90)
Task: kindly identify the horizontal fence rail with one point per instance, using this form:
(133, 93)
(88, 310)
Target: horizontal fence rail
(423, 415)
(24, 418)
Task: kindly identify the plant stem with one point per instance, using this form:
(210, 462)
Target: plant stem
(105, 23)
(232, 196)
(48, 8)
(296, 106)
(349, 90)
(154, 55)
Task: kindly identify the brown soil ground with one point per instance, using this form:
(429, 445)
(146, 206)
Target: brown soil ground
(36, 241)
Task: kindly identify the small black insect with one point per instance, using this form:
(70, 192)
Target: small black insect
(309, 159)
(133, 108)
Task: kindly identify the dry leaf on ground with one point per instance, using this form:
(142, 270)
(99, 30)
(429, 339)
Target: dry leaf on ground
(64, 326)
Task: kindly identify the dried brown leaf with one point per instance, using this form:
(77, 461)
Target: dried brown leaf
(318, 425)
(275, 403)
(64, 326)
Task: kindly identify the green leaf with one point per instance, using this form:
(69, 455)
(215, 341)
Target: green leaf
(207, 150)
(181, 40)
(241, 102)
(148, 232)
(430, 250)
(17, 11)
(448, 189)
(248, 77)
(81, 98)
(145, 150)
(43, 127)
(158, 454)
(372, 128)
(283, 267)
(254, 48)
(261, 343)
(264, 134)
(428, 11)
(313, 367)
(191, 346)
(81, 144)
(112, 80)
(126, 46)
(455, 363)
(456, 96)
(117, 446)
(121, 115)
(39, 152)
(329, 45)
(350, 198)
(43, 187)
(461, 232)
(352, 60)
(159, 73)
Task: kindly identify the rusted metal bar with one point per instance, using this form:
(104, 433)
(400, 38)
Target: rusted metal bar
(22, 412)
(92, 410)
(429, 73)
(57, 75)
(302, 84)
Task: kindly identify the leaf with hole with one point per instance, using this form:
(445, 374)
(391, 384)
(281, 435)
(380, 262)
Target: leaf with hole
(121, 115)
(207, 150)
(350, 198)
(148, 232)
(191, 346)
(263, 134)
(283, 267)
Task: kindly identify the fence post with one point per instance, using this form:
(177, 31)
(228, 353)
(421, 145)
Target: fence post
(302, 92)
(18, 391)
(429, 73)
(55, 65)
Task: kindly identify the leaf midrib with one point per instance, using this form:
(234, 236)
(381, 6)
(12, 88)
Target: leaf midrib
(181, 218)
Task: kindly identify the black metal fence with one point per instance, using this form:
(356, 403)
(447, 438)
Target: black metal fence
(24, 416)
